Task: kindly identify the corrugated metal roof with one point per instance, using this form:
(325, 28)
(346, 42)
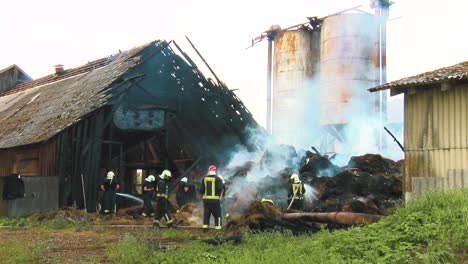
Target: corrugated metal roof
(456, 72)
(38, 110)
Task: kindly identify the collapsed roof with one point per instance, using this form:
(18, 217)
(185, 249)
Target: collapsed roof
(152, 76)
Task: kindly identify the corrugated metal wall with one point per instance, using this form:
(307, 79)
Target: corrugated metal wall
(436, 132)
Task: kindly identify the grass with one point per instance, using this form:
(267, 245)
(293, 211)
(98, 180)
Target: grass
(432, 229)
(19, 251)
(58, 222)
(179, 234)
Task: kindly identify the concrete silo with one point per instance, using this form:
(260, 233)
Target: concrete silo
(295, 70)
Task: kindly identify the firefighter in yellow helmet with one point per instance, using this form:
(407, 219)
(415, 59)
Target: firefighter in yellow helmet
(296, 192)
(162, 202)
(267, 200)
(212, 190)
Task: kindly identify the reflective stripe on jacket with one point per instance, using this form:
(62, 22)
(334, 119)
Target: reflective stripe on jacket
(211, 187)
(298, 189)
(162, 190)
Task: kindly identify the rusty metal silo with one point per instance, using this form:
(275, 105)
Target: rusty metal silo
(348, 59)
(296, 66)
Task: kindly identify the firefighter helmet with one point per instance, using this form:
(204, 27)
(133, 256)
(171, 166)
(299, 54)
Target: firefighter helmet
(294, 178)
(166, 174)
(212, 170)
(150, 178)
(184, 179)
(110, 175)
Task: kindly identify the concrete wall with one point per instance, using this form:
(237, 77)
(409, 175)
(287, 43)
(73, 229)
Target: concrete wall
(455, 179)
(436, 136)
(41, 194)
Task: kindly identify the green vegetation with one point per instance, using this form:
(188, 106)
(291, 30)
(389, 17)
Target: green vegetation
(18, 251)
(57, 222)
(179, 234)
(433, 229)
(131, 249)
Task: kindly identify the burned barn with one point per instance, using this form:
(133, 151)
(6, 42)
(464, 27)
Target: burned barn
(12, 76)
(136, 113)
(435, 128)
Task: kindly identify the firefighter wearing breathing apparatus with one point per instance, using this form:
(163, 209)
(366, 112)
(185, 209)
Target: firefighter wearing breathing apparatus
(212, 189)
(162, 202)
(296, 192)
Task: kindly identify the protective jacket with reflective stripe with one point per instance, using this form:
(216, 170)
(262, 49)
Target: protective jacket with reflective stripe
(211, 187)
(298, 189)
(162, 189)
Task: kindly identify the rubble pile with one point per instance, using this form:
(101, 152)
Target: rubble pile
(67, 213)
(188, 215)
(264, 216)
(368, 184)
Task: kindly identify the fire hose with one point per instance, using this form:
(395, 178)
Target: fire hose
(344, 218)
(292, 200)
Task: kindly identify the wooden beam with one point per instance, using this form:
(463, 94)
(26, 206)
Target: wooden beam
(152, 150)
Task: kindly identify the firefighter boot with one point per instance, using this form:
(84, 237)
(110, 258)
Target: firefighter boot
(156, 224)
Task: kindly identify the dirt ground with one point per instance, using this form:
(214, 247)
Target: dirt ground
(67, 246)
(75, 246)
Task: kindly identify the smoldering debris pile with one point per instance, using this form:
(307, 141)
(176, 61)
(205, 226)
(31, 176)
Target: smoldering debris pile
(67, 214)
(368, 184)
(368, 187)
(264, 216)
(188, 215)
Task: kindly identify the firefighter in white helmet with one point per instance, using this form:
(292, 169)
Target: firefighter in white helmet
(185, 192)
(148, 192)
(296, 192)
(162, 202)
(110, 185)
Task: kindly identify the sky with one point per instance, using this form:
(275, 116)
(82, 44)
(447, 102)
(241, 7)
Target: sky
(36, 35)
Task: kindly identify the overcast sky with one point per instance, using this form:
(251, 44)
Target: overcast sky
(423, 35)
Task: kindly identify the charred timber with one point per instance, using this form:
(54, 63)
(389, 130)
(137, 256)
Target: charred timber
(343, 218)
(394, 139)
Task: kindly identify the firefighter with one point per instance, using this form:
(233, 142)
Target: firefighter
(185, 192)
(162, 202)
(148, 193)
(267, 200)
(212, 192)
(110, 187)
(296, 193)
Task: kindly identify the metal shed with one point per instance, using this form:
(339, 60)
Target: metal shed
(435, 128)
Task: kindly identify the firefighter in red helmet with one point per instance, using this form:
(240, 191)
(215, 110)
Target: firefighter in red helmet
(212, 190)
